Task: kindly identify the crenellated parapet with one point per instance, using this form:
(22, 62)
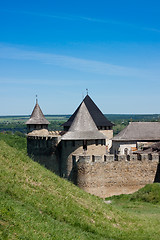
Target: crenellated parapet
(111, 158)
(106, 175)
(39, 145)
(93, 158)
(139, 157)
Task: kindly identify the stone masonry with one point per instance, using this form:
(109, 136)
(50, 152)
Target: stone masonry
(106, 176)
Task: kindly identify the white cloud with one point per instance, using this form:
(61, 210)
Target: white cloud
(83, 18)
(34, 81)
(69, 62)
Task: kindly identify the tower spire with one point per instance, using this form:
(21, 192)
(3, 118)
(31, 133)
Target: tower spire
(86, 91)
(36, 99)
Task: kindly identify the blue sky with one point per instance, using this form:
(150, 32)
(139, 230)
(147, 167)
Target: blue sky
(57, 49)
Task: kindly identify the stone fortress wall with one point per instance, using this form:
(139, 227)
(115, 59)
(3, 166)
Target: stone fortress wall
(93, 170)
(106, 176)
(70, 149)
(43, 149)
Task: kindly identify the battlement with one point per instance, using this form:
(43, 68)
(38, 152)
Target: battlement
(42, 144)
(45, 137)
(111, 158)
(106, 175)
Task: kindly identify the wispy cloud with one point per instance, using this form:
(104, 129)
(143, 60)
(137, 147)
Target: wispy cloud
(84, 18)
(69, 62)
(38, 14)
(109, 21)
(152, 29)
(34, 81)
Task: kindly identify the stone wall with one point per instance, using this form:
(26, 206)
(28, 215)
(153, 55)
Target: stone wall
(71, 149)
(109, 177)
(44, 151)
(93, 170)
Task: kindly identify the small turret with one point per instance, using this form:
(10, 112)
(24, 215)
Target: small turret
(37, 120)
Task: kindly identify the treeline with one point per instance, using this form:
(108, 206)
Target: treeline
(133, 117)
(21, 127)
(120, 121)
(13, 127)
(55, 126)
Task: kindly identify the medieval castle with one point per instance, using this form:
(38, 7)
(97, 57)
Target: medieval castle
(87, 154)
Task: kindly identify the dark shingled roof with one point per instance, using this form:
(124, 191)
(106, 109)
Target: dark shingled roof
(140, 131)
(37, 116)
(83, 127)
(97, 116)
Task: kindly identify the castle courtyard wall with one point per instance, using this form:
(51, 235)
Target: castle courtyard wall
(107, 178)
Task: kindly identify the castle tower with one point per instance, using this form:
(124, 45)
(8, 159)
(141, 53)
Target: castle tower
(101, 122)
(37, 120)
(82, 138)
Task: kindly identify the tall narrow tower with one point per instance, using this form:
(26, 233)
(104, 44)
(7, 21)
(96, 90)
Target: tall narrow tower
(37, 120)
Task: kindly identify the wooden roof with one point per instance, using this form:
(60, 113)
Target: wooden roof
(139, 131)
(98, 117)
(37, 116)
(83, 127)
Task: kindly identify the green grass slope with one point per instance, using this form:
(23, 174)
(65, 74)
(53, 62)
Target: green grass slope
(145, 203)
(37, 204)
(15, 141)
(149, 194)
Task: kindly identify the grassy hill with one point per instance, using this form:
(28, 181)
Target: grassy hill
(150, 194)
(37, 204)
(15, 141)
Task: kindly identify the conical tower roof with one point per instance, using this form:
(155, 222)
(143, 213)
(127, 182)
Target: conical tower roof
(98, 117)
(37, 116)
(83, 126)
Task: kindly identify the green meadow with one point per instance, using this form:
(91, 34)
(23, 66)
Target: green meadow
(37, 204)
(17, 123)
